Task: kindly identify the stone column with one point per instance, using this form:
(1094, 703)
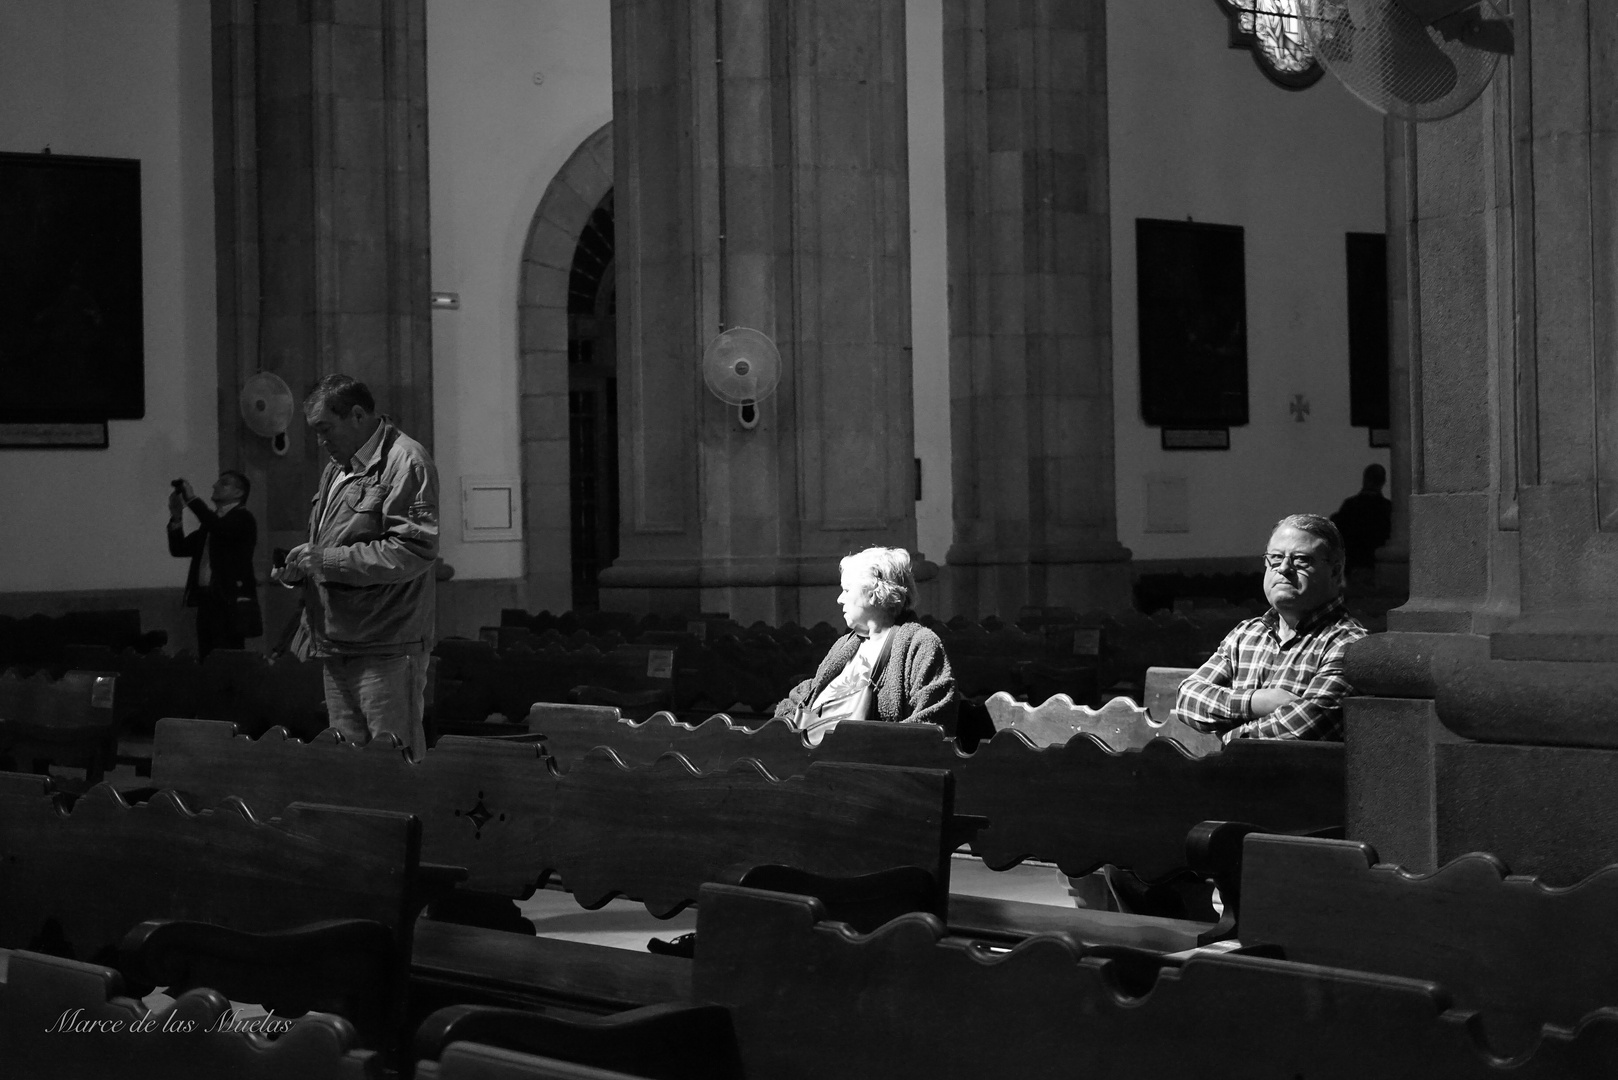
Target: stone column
(320, 169)
(1030, 308)
(1398, 148)
(1499, 679)
(760, 180)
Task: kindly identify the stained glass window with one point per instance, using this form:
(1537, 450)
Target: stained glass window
(1273, 31)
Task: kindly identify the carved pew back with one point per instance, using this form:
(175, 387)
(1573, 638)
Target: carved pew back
(655, 833)
(1049, 1008)
(67, 722)
(1078, 804)
(89, 881)
(105, 865)
(65, 1019)
(1120, 724)
(1163, 689)
(1521, 953)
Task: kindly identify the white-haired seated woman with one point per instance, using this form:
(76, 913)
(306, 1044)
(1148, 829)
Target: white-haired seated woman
(887, 667)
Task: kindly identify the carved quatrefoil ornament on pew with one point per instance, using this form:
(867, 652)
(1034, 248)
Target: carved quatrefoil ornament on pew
(480, 816)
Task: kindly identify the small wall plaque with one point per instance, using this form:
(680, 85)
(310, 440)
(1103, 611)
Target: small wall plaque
(490, 509)
(1196, 438)
(91, 436)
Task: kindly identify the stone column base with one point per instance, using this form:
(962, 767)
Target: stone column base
(1462, 752)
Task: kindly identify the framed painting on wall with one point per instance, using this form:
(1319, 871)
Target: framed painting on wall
(1192, 291)
(72, 346)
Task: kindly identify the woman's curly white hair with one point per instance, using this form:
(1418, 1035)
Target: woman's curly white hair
(890, 581)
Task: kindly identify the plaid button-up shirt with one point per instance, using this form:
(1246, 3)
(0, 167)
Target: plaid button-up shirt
(1219, 696)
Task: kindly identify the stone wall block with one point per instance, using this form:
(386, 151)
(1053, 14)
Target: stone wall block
(284, 65)
(362, 267)
(365, 13)
(364, 353)
(361, 132)
(285, 137)
(359, 203)
(1463, 521)
(839, 39)
(1454, 373)
(848, 297)
(542, 326)
(544, 286)
(843, 217)
(356, 62)
(568, 211)
(543, 370)
(549, 246)
(545, 416)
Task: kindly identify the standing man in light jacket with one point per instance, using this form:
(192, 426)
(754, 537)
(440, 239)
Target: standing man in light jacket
(367, 570)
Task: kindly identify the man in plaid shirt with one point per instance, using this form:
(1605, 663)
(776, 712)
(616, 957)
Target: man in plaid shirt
(1280, 676)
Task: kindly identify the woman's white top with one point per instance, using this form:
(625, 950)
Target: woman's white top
(845, 694)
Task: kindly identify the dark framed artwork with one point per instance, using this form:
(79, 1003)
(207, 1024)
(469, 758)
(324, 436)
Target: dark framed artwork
(1368, 396)
(1191, 280)
(72, 347)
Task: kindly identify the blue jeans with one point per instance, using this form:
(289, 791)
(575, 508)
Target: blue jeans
(369, 695)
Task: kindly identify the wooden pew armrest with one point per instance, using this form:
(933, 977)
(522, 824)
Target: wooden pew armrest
(864, 902)
(434, 882)
(671, 1039)
(499, 967)
(350, 967)
(1010, 921)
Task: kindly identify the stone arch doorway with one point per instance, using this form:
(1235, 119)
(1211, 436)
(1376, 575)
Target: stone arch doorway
(553, 327)
(592, 407)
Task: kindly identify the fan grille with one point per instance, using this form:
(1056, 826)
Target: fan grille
(741, 365)
(1393, 63)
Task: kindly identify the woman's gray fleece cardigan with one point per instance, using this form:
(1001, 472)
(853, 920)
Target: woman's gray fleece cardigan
(915, 684)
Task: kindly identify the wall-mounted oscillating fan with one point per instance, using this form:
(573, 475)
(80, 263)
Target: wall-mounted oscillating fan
(742, 367)
(266, 403)
(1413, 59)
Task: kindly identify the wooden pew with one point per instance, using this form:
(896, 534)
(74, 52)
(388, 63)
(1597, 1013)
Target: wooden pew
(67, 1020)
(498, 809)
(931, 1006)
(1163, 690)
(660, 1042)
(1520, 953)
(1079, 804)
(312, 910)
(654, 834)
(67, 722)
(476, 1061)
(1120, 724)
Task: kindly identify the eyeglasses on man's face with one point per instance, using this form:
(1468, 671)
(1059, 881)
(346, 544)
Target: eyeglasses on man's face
(1291, 560)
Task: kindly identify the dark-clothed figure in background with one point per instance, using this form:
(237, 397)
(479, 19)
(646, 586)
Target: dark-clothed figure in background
(1365, 522)
(367, 569)
(1280, 676)
(219, 583)
(887, 667)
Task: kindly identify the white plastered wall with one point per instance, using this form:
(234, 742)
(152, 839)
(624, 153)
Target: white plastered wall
(1197, 131)
(513, 88)
(128, 80)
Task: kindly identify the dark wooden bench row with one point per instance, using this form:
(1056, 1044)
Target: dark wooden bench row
(1080, 804)
(502, 812)
(935, 1003)
(1348, 969)
(68, 722)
